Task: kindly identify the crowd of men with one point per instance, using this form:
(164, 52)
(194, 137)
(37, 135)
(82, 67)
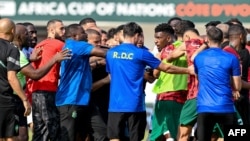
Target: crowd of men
(83, 83)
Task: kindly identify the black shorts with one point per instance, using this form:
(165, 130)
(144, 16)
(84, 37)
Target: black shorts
(135, 122)
(19, 111)
(8, 123)
(206, 122)
(98, 127)
(74, 121)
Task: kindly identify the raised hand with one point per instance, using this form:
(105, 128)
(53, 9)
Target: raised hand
(63, 55)
(36, 54)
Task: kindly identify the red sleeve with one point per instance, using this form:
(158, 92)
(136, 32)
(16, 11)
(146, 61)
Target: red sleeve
(231, 50)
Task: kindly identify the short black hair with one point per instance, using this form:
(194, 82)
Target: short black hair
(174, 18)
(236, 29)
(228, 23)
(236, 20)
(189, 23)
(132, 28)
(87, 20)
(70, 30)
(20, 24)
(104, 32)
(28, 24)
(119, 28)
(194, 30)
(53, 21)
(212, 23)
(164, 27)
(182, 26)
(215, 34)
(111, 33)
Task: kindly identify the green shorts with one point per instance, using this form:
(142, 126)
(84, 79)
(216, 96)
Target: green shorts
(189, 113)
(165, 119)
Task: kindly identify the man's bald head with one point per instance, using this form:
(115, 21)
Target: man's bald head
(94, 37)
(21, 36)
(20, 28)
(224, 28)
(95, 28)
(90, 32)
(7, 29)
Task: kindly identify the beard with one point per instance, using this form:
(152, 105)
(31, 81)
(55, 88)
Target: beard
(58, 37)
(33, 42)
(25, 42)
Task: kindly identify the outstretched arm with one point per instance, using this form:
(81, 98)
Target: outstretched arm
(201, 48)
(148, 75)
(96, 62)
(39, 73)
(173, 69)
(98, 84)
(156, 72)
(99, 52)
(178, 52)
(245, 85)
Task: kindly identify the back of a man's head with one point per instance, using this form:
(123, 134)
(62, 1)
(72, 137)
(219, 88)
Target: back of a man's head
(173, 21)
(215, 35)
(182, 26)
(130, 29)
(224, 28)
(212, 23)
(7, 29)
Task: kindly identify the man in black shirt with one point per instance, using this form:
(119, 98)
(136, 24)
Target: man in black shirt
(9, 66)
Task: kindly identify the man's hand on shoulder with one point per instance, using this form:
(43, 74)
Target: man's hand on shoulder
(36, 54)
